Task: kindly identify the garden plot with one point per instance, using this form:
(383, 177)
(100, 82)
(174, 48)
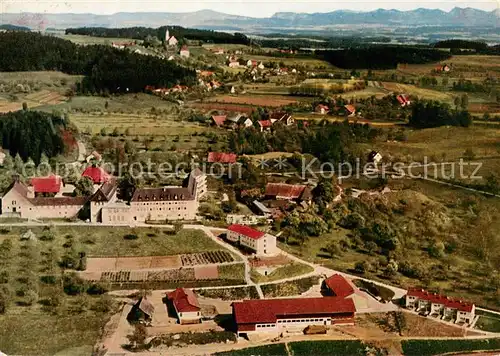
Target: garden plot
(205, 258)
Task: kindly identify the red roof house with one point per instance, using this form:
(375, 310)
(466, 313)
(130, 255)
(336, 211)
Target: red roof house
(280, 314)
(339, 286)
(186, 305)
(322, 109)
(246, 231)
(51, 184)
(287, 191)
(403, 99)
(221, 157)
(265, 124)
(350, 109)
(422, 294)
(97, 174)
(219, 119)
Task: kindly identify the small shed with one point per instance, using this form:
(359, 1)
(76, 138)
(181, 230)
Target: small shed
(142, 311)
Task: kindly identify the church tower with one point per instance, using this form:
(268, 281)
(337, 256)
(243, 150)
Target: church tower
(167, 35)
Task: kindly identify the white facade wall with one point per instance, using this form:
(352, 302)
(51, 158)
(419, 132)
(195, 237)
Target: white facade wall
(296, 324)
(189, 317)
(164, 210)
(266, 245)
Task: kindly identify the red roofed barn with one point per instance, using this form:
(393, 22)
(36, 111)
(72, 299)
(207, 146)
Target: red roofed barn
(288, 192)
(186, 305)
(279, 315)
(97, 174)
(219, 119)
(254, 240)
(338, 286)
(46, 185)
(265, 125)
(221, 157)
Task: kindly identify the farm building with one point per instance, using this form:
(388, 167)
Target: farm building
(218, 120)
(337, 286)
(265, 125)
(142, 311)
(322, 109)
(186, 305)
(350, 110)
(96, 174)
(254, 240)
(50, 185)
(282, 117)
(282, 191)
(442, 306)
(403, 99)
(221, 157)
(279, 315)
(184, 52)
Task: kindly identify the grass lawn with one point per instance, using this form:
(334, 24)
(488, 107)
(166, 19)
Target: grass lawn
(39, 333)
(330, 347)
(438, 347)
(265, 350)
(286, 271)
(289, 289)
(234, 271)
(488, 321)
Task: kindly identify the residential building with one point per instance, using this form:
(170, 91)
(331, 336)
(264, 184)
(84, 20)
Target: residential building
(184, 52)
(403, 99)
(186, 306)
(282, 191)
(218, 120)
(322, 109)
(337, 286)
(234, 64)
(374, 157)
(441, 306)
(265, 125)
(221, 157)
(251, 63)
(292, 315)
(350, 110)
(102, 198)
(257, 241)
(282, 117)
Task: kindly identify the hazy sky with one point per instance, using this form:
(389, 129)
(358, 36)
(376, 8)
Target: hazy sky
(256, 8)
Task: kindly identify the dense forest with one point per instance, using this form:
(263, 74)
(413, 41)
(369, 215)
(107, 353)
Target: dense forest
(462, 44)
(382, 57)
(434, 114)
(106, 69)
(31, 133)
(140, 33)
(329, 142)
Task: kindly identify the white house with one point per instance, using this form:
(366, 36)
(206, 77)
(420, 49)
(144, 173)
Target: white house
(184, 52)
(186, 306)
(258, 241)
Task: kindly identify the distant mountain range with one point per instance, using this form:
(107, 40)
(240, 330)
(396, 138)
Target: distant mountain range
(460, 17)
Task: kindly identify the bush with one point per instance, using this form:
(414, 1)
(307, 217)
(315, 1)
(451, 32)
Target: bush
(103, 305)
(31, 297)
(50, 279)
(131, 237)
(96, 289)
(73, 285)
(4, 277)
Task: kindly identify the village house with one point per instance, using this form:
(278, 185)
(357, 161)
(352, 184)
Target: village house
(47, 186)
(221, 157)
(261, 66)
(265, 125)
(282, 117)
(186, 306)
(292, 315)
(233, 64)
(96, 174)
(184, 52)
(322, 109)
(443, 68)
(282, 191)
(170, 40)
(218, 120)
(403, 99)
(251, 63)
(257, 241)
(440, 306)
(374, 157)
(237, 120)
(350, 110)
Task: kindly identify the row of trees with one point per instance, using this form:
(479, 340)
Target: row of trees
(141, 33)
(106, 69)
(434, 114)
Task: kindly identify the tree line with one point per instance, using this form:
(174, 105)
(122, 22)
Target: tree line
(382, 56)
(106, 69)
(427, 114)
(31, 134)
(140, 33)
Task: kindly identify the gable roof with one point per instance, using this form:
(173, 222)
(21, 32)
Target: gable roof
(145, 306)
(105, 191)
(268, 310)
(184, 300)
(321, 106)
(350, 108)
(97, 174)
(221, 157)
(49, 184)
(219, 119)
(246, 231)
(184, 48)
(161, 194)
(440, 299)
(265, 123)
(339, 285)
(289, 191)
(279, 116)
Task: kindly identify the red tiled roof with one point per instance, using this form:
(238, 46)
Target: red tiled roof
(265, 123)
(247, 231)
(219, 119)
(97, 174)
(339, 286)
(50, 184)
(184, 48)
(268, 310)
(350, 108)
(221, 157)
(440, 299)
(289, 191)
(184, 300)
